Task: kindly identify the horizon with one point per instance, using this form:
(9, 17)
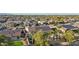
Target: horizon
(45, 14)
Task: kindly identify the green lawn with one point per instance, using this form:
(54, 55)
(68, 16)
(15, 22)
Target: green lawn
(15, 43)
(18, 43)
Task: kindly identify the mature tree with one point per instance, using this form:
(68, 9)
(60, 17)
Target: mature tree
(69, 36)
(61, 19)
(40, 38)
(4, 40)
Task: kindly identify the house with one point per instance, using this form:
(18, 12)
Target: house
(76, 24)
(41, 22)
(30, 22)
(2, 20)
(75, 43)
(11, 33)
(70, 27)
(50, 21)
(52, 26)
(66, 20)
(44, 28)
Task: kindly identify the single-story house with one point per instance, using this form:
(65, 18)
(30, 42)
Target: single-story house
(70, 27)
(44, 28)
(11, 33)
